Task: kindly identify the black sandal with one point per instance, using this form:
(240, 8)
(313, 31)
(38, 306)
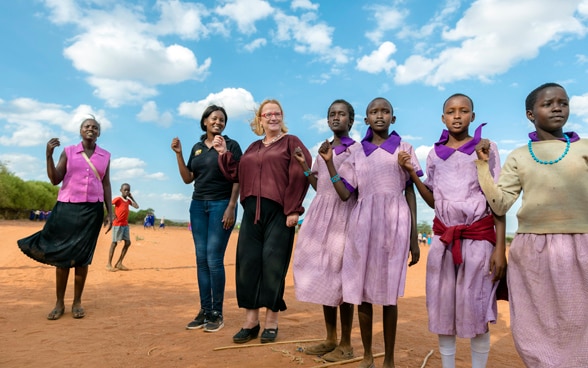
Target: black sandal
(269, 335)
(246, 334)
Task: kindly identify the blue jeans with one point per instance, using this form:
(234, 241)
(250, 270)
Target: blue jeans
(210, 240)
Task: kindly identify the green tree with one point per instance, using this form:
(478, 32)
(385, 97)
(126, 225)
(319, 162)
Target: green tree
(424, 227)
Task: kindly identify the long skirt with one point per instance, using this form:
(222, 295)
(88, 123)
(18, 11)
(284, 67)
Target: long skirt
(548, 290)
(69, 236)
(263, 256)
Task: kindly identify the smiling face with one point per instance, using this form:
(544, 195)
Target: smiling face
(90, 129)
(271, 119)
(550, 111)
(379, 115)
(215, 123)
(458, 114)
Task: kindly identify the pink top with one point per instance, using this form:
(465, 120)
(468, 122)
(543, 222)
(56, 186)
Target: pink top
(80, 184)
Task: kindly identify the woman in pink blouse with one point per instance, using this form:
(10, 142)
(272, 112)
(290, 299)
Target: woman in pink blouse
(272, 188)
(69, 237)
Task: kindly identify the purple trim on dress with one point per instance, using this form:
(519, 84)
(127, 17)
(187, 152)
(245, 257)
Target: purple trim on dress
(345, 143)
(390, 145)
(572, 135)
(349, 187)
(470, 147)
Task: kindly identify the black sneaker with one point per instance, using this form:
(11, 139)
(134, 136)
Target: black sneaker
(214, 323)
(198, 322)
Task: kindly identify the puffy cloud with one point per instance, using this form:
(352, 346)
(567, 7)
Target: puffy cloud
(245, 13)
(379, 60)
(236, 101)
(150, 113)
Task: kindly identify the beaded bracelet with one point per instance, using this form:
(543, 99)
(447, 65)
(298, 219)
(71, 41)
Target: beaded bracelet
(335, 178)
(307, 173)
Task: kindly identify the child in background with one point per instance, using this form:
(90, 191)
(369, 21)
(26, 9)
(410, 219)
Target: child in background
(467, 255)
(548, 259)
(384, 225)
(319, 249)
(120, 230)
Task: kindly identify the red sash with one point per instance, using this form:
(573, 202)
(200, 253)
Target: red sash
(482, 229)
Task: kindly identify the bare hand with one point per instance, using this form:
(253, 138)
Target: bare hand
(326, 151)
(228, 218)
(219, 144)
(107, 224)
(404, 160)
(176, 145)
(415, 253)
(483, 149)
(498, 265)
(292, 220)
(53, 142)
(299, 155)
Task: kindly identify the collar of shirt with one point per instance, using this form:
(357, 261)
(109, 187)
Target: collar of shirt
(390, 145)
(470, 147)
(572, 135)
(345, 143)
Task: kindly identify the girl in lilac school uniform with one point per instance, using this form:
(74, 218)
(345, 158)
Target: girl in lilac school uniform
(319, 249)
(384, 225)
(548, 257)
(467, 254)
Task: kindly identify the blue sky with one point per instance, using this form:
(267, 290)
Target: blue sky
(147, 69)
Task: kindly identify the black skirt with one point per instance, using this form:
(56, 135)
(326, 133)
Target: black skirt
(69, 236)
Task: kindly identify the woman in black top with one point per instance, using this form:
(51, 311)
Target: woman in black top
(212, 215)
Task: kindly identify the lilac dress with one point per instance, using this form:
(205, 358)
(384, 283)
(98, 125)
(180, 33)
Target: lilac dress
(318, 256)
(378, 234)
(461, 299)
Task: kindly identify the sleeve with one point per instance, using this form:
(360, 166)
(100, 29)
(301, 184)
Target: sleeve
(234, 147)
(494, 161)
(348, 174)
(430, 179)
(503, 195)
(297, 182)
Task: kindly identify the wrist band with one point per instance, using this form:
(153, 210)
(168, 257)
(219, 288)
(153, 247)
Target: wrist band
(307, 173)
(335, 178)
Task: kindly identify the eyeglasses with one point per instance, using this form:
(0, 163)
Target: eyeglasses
(268, 115)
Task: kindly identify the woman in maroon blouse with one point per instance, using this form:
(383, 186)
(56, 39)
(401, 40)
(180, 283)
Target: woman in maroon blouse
(272, 188)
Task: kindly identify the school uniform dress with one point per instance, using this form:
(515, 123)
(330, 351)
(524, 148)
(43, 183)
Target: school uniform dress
(318, 256)
(69, 236)
(461, 297)
(378, 236)
(272, 186)
(548, 257)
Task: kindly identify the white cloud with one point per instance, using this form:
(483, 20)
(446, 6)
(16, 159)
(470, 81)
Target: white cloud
(255, 44)
(24, 166)
(304, 4)
(236, 101)
(379, 60)
(579, 106)
(387, 18)
(486, 50)
(122, 168)
(30, 122)
(150, 113)
(182, 18)
(245, 13)
(309, 38)
(120, 92)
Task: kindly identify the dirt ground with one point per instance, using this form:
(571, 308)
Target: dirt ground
(137, 318)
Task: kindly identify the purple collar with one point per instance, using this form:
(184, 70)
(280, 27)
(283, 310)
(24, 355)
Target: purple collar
(345, 143)
(390, 145)
(470, 147)
(572, 135)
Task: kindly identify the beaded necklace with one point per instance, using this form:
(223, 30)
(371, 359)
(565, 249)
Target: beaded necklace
(550, 162)
(273, 140)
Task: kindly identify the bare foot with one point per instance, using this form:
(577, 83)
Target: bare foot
(110, 268)
(122, 268)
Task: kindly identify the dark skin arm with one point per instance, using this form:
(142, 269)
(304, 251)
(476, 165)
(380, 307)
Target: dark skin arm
(415, 250)
(185, 173)
(299, 156)
(56, 173)
(326, 153)
(229, 215)
(107, 199)
(498, 259)
(424, 191)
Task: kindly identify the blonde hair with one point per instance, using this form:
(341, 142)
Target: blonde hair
(255, 124)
